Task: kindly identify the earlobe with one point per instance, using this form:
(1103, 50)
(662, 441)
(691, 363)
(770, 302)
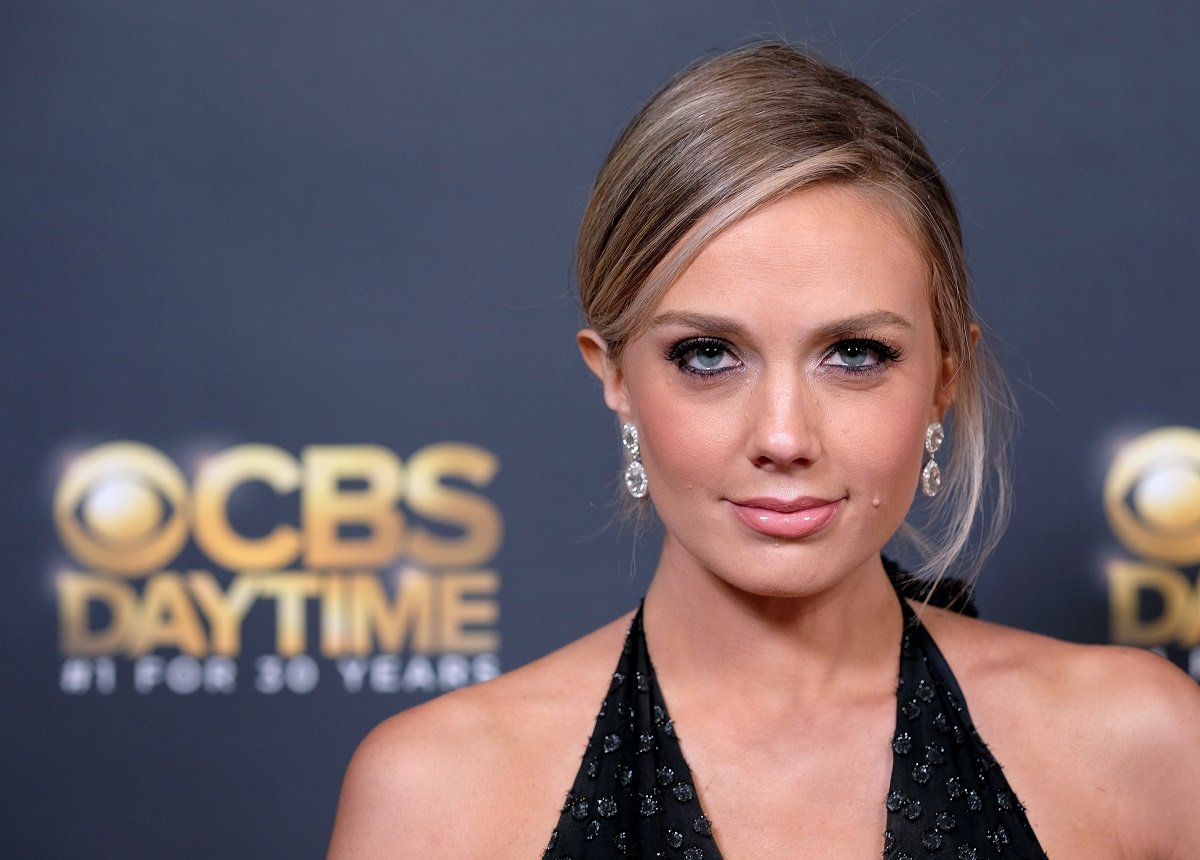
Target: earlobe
(594, 350)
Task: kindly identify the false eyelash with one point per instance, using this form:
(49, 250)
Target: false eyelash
(888, 353)
(677, 352)
(885, 349)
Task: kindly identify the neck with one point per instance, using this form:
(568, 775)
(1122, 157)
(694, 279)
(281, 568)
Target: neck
(781, 654)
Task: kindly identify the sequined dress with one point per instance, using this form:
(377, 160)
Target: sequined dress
(948, 800)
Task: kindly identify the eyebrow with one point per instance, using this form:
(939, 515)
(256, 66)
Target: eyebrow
(703, 322)
(838, 328)
(872, 319)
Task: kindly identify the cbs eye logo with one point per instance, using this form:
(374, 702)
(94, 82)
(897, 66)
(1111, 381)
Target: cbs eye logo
(122, 507)
(1152, 495)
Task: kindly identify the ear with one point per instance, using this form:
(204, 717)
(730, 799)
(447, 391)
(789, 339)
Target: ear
(595, 354)
(947, 383)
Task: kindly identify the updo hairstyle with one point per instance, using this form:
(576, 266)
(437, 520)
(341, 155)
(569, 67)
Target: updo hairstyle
(738, 131)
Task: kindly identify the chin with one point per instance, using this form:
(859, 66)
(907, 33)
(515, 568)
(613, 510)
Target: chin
(765, 566)
(795, 571)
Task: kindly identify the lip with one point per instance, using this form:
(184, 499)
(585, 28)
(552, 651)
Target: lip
(786, 518)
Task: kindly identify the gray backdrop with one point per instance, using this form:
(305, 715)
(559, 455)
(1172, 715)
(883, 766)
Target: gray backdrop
(303, 224)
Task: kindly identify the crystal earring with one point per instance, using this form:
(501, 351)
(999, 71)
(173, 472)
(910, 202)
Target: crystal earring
(931, 474)
(635, 473)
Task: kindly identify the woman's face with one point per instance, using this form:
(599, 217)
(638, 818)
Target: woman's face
(782, 390)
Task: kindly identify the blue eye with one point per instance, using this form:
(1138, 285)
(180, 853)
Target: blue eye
(708, 357)
(861, 355)
(853, 355)
(703, 356)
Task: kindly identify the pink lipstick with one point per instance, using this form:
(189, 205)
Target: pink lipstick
(786, 518)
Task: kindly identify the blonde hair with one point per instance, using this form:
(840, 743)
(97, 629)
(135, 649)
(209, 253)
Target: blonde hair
(740, 130)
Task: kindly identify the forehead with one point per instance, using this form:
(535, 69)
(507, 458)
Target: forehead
(824, 249)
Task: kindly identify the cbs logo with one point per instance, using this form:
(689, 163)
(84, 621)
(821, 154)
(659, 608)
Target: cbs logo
(125, 507)
(122, 507)
(1152, 495)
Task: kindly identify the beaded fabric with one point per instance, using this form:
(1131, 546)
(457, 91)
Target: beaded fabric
(948, 800)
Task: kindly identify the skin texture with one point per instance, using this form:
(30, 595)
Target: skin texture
(785, 694)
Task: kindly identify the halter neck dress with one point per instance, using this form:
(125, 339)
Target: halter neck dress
(634, 795)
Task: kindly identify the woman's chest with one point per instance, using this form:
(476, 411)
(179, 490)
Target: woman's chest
(814, 789)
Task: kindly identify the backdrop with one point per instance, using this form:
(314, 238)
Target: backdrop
(295, 434)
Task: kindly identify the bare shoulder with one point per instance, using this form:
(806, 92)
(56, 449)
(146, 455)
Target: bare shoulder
(1107, 737)
(444, 779)
(1111, 686)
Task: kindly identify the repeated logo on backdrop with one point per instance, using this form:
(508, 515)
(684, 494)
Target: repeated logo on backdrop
(341, 566)
(1152, 499)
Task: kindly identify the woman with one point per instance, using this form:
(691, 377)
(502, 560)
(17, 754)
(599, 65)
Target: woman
(772, 273)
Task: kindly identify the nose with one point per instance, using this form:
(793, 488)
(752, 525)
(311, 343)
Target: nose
(783, 421)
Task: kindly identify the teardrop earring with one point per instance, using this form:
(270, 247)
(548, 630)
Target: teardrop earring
(931, 474)
(635, 473)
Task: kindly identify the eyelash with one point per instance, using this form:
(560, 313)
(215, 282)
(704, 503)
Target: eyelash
(679, 353)
(888, 354)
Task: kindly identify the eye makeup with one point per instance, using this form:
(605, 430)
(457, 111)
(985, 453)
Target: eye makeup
(702, 356)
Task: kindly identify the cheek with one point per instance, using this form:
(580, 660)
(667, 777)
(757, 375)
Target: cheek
(683, 437)
(689, 434)
(883, 458)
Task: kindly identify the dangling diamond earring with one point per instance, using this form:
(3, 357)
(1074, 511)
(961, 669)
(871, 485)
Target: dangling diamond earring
(635, 473)
(931, 474)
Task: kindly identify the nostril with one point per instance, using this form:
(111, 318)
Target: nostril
(791, 447)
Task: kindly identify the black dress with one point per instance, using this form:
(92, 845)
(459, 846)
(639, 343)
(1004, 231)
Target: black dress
(634, 795)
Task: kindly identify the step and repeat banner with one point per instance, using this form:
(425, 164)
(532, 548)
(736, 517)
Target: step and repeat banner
(295, 433)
